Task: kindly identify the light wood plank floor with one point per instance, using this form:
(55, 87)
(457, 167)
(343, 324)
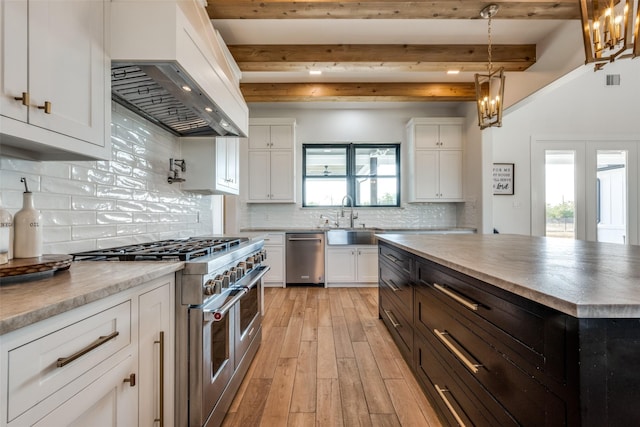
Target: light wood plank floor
(327, 360)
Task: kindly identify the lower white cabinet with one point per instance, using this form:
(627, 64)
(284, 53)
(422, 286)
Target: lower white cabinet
(98, 364)
(352, 265)
(274, 245)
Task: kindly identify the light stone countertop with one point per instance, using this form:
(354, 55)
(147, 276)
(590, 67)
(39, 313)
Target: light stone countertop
(579, 278)
(24, 303)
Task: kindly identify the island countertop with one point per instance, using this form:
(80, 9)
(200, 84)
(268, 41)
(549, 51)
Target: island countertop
(579, 278)
(24, 303)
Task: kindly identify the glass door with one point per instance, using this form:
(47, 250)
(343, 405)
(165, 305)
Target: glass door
(560, 193)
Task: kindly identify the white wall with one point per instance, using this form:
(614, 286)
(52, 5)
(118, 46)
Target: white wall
(88, 205)
(352, 122)
(583, 106)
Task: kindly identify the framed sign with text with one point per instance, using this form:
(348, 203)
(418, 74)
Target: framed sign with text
(503, 178)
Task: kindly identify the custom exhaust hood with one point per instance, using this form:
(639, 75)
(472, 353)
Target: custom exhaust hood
(170, 66)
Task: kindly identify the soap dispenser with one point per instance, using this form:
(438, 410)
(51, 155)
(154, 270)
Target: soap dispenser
(6, 235)
(27, 224)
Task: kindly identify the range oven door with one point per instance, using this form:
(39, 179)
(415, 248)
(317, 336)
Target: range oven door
(211, 353)
(249, 312)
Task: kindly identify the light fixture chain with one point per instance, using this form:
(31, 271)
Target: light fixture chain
(489, 46)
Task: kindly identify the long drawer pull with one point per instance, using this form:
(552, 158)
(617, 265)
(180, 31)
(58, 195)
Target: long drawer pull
(391, 319)
(441, 392)
(392, 285)
(470, 305)
(63, 361)
(392, 258)
(160, 419)
(473, 367)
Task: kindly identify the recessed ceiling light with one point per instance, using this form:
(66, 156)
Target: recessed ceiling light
(453, 71)
(186, 88)
(208, 109)
(315, 72)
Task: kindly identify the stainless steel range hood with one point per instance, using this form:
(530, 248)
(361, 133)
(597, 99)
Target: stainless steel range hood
(170, 66)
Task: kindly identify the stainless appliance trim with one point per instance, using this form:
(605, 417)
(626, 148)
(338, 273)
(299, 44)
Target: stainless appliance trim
(305, 258)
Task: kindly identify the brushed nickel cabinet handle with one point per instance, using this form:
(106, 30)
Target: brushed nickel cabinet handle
(473, 367)
(391, 319)
(470, 305)
(24, 98)
(160, 341)
(441, 392)
(64, 361)
(392, 285)
(46, 107)
(392, 258)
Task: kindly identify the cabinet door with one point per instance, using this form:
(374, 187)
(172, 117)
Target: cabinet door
(259, 181)
(426, 136)
(155, 332)
(106, 402)
(367, 266)
(68, 68)
(281, 176)
(233, 165)
(426, 175)
(451, 175)
(451, 136)
(275, 260)
(341, 265)
(259, 137)
(13, 58)
(222, 176)
(281, 137)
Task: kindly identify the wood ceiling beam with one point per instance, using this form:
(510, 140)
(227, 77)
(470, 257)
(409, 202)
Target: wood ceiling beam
(384, 57)
(358, 92)
(356, 9)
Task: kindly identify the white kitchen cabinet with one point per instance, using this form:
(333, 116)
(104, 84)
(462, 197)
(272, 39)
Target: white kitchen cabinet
(435, 157)
(352, 265)
(212, 165)
(274, 245)
(155, 355)
(55, 53)
(271, 161)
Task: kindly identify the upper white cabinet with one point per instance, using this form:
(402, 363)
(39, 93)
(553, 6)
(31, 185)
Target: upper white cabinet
(435, 157)
(271, 161)
(212, 165)
(54, 85)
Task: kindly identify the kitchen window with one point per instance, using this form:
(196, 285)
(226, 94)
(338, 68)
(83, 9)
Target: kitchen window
(368, 173)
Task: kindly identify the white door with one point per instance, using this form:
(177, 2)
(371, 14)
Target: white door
(585, 190)
(281, 175)
(426, 175)
(450, 166)
(13, 58)
(368, 264)
(258, 165)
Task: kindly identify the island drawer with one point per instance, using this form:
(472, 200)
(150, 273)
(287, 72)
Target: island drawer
(531, 335)
(477, 356)
(396, 286)
(44, 365)
(396, 258)
(400, 328)
(459, 400)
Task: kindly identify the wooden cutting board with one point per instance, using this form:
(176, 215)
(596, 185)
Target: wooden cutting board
(23, 266)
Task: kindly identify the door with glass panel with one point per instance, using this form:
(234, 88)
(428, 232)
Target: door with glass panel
(585, 190)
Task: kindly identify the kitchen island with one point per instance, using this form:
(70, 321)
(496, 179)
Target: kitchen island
(516, 330)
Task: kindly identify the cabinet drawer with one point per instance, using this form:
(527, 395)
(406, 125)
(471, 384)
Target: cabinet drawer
(399, 326)
(274, 239)
(477, 356)
(398, 259)
(531, 335)
(397, 287)
(39, 368)
(459, 400)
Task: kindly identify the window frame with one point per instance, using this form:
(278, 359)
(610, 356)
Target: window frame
(350, 176)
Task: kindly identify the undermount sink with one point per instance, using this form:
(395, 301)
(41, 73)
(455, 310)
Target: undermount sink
(351, 236)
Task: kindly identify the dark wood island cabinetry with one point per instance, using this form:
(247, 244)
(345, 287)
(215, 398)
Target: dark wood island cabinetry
(489, 351)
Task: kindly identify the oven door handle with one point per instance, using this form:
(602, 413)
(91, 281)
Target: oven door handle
(218, 314)
(260, 272)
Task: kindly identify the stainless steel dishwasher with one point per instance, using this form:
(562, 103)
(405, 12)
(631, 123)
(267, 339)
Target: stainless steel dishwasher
(305, 258)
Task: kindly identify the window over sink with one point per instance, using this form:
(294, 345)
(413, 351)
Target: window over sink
(368, 173)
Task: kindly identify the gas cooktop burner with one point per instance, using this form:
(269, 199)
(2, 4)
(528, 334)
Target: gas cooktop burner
(175, 249)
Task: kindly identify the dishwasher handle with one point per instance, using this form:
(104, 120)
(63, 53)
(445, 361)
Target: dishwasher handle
(291, 239)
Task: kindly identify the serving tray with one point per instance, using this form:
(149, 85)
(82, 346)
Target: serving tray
(42, 264)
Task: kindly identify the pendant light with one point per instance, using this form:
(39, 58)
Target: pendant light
(610, 30)
(490, 86)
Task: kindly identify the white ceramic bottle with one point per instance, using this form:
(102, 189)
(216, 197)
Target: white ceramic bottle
(27, 223)
(6, 235)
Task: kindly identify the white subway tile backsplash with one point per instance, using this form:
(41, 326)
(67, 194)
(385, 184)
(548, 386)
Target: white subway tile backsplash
(99, 204)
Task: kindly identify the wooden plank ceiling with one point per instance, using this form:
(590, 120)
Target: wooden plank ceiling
(378, 57)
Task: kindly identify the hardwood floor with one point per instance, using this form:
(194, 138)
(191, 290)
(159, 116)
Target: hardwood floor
(327, 360)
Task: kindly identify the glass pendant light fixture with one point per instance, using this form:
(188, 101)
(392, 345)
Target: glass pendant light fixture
(610, 30)
(490, 86)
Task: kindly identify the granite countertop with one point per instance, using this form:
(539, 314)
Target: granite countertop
(24, 303)
(374, 229)
(579, 278)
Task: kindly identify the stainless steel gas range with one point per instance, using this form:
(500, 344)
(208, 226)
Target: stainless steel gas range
(218, 317)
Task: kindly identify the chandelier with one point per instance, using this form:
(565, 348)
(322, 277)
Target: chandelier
(610, 30)
(490, 86)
